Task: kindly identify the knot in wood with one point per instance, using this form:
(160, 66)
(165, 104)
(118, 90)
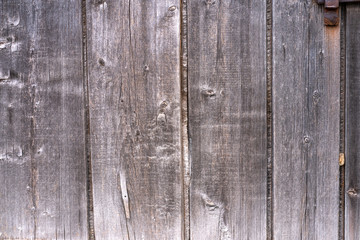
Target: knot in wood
(306, 139)
(352, 192)
(208, 93)
(172, 8)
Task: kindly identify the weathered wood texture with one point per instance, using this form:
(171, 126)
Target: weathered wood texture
(134, 86)
(110, 79)
(227, 119)
(306, 122)
(42, 164)
(352, 166)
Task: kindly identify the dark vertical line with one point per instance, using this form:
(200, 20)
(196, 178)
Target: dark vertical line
(269, 120)
(33, 163)
(185, 160)
(34, 169)
(89, 186)
(342, 122)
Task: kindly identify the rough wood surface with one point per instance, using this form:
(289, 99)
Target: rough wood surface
(306, 122)
(352, 163)
(113, 86)
(134, 86)
(227, 119)
(42, 164)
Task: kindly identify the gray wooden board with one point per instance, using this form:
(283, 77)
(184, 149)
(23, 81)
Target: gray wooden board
(134, 87)
(42, 163)
(227, 119)
(352, 164)
(306, 122)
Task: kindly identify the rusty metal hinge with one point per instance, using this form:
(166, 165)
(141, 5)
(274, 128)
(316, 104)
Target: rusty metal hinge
(331, 10)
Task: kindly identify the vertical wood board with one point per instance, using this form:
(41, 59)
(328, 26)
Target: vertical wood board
(134, 87)
(352, 164)
(227, 119)
(42, 162)
(306, 97)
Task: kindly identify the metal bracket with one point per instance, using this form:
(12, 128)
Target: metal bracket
(331, 10)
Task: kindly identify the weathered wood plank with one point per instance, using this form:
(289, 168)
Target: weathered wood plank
(42, 163)
(306, 122)
(134, 86)
(352, 166)
(227, 119)
(15, 109)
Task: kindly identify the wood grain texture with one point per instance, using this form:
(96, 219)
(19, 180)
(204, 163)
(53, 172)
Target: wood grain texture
(306, 92)
(227, 119)
(42, 163)
(134, 87)
(352, 164)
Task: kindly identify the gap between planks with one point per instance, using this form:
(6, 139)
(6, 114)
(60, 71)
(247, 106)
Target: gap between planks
(89, 187)
(185, 160)
(342, 123)
(269, 121)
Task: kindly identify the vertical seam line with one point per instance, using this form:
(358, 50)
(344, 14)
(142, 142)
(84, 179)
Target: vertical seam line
(269, 120)
(87, 125)
(342, 122)
(184, 128)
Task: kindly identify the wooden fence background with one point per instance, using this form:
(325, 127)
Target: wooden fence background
(178, 119)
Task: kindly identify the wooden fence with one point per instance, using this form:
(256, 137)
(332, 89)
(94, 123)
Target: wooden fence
(187, 119)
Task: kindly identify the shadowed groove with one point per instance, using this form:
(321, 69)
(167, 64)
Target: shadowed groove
(89, 187)
(342, 122)
(185, 164)
(269, 121)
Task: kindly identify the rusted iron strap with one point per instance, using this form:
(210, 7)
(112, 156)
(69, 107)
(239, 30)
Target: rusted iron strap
(331, 11)
(331, 4)
(340, 1)
(331, 16)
